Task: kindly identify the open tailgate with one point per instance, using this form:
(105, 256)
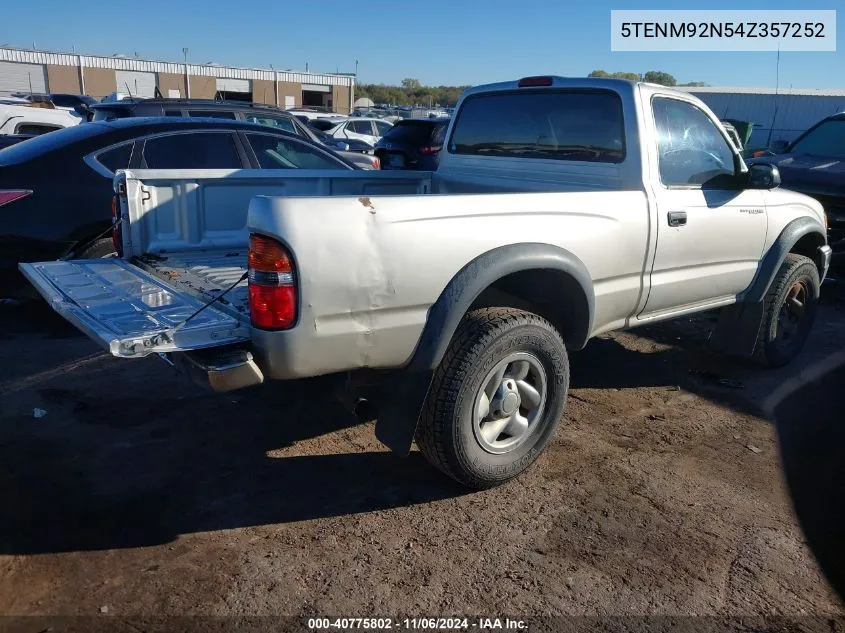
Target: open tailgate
(128, 311)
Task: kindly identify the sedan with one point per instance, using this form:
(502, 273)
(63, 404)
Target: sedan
(56, 189)
(368, 130)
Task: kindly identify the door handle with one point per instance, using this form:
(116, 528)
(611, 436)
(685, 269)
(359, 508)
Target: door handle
(677, 218)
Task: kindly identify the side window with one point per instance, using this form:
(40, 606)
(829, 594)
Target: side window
(361, 127)
(275, 152)
(116, 158)
(35, 128)
(439, 135)
(691, 149)
(382, 127)
(277, 122)
(197, 150)
(214, 114)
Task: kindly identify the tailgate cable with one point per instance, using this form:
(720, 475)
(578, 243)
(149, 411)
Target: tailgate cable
(169, 333)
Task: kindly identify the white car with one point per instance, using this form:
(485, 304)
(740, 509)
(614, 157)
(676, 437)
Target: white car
(369, 130)
(23, 119)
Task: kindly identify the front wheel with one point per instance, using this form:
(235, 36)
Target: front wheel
(789, 311)
(496, 398)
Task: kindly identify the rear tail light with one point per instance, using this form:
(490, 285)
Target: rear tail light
(272, 291)
(758, 153)
(116, 233)
(376, 163)
(430, 150)
(10, 195)
(527, 82)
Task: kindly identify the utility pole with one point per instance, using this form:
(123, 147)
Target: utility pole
(187, 79)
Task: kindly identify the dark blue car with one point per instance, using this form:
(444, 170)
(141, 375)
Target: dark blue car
(412, 144)
(814, 164)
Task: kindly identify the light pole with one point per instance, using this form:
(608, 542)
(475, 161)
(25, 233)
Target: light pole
(187, 80)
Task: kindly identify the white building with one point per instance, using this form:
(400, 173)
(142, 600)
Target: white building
(787, 113)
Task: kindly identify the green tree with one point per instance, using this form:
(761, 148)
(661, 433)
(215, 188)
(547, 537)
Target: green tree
(599, 73)
(660, 77)
(410, 84)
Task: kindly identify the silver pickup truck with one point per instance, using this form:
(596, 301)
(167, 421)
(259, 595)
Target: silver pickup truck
(561, 209)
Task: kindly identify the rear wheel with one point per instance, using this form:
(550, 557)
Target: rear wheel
(101, 248)
(496, 398)
(790, 309)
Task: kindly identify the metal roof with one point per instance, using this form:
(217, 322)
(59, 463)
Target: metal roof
(176, 68)
(763, 91)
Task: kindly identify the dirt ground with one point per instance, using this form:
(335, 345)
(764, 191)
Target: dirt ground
(137, 493)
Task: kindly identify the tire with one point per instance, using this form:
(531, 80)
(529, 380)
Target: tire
(785, 327)
(450, 435)
(101, 248)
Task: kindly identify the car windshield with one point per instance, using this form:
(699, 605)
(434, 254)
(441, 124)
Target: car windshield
(828, 139)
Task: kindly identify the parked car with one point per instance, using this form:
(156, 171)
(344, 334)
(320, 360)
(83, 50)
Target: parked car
(814, 164)
(56, 189)
(313, 113)
(233, 110)
(7, 140)
(466, 288)
(369, 130)
(320, 124)
(412, 144)
(62, 100)
(26, 119)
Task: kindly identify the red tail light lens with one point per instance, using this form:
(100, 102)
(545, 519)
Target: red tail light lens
(527, 82)
(758, 153)
(10, 195)
(272, 291)
(376, 163)
(430, 150)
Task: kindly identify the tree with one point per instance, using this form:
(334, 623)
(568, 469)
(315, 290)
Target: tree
(694, 84)
(599, 73)
(410, 84)
(660, 77)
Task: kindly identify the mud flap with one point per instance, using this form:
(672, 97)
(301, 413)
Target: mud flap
(403, 394)
(738, 328)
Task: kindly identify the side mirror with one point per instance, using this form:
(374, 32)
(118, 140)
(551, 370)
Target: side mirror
(779, 147)
(343, 147)
(762, 176)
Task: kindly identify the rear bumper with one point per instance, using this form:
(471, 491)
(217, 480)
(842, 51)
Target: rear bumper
(221, 369)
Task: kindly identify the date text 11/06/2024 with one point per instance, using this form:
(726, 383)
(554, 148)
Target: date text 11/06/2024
(416, 624)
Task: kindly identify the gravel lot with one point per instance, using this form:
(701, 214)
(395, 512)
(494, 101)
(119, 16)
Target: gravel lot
(137, 493)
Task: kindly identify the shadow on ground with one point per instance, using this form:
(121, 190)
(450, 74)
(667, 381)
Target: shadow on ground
(129, 459)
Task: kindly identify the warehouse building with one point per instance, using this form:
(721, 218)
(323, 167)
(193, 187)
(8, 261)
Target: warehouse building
(97, 76)
(778, 115)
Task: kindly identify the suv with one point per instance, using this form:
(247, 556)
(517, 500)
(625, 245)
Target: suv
(412, 144)
(235, 110)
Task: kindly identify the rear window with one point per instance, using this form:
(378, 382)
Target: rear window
(39, 146)
(410, 131)
(109, 114)
(562, 125)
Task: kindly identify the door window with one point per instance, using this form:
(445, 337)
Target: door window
(281, 123)
(691, 149)
(276, 152)
(116, 158)
(360, 127)
(197, 150)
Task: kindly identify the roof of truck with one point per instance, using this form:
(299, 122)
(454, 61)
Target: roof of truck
(556, 81)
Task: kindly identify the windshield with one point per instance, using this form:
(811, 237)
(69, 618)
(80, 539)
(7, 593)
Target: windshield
(828, 139)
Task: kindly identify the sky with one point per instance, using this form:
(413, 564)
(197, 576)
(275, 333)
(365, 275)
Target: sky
(435, 41)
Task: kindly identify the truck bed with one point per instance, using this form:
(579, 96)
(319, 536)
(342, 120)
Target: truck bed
(205, 274)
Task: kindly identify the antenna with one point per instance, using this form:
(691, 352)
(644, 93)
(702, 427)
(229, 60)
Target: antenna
(125, 83)
(157, 93)
(777, 87)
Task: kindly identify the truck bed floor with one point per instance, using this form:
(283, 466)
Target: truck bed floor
(205, 274)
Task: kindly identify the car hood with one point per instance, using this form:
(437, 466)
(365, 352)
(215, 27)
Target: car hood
(810, 174)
